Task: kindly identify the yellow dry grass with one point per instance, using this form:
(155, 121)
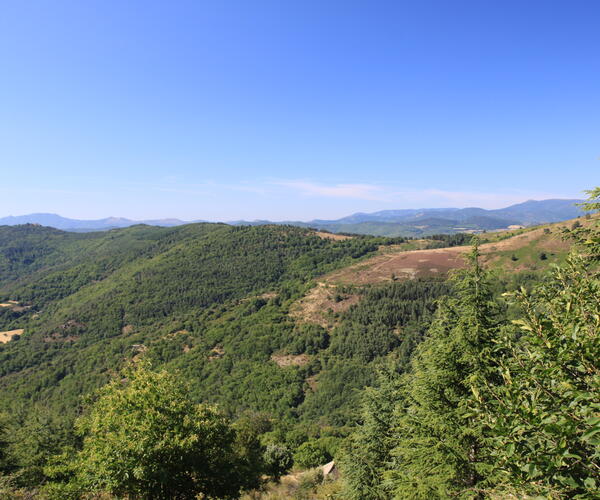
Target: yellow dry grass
(8, 335)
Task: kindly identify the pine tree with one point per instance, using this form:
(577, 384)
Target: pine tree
(441, 450)
(368, 449)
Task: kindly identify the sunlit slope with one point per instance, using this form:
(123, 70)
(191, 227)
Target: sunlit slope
(271, 317)
(87, 301)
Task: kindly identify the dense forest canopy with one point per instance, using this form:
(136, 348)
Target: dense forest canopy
(483, 385)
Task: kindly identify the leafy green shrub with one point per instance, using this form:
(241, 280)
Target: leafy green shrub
(311, 454)
(546, 417)
(278, 460)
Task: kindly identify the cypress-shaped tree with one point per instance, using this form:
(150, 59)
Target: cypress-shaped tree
(368, 449)
(441, 450)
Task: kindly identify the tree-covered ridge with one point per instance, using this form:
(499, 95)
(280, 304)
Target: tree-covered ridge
(224, 347)
(130, 286)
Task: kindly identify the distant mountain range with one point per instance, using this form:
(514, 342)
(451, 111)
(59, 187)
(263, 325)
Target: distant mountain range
(406, 222)
(66, 224)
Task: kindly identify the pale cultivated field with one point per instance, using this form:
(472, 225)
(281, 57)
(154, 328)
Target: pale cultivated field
(7, 336)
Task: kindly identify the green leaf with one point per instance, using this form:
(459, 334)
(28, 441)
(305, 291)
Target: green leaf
(588, 435)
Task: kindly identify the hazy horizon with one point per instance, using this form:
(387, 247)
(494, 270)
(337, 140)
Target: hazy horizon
(200, 219)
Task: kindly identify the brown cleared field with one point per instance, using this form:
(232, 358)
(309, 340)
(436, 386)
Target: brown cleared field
(331, 236)
(394, 264)
(519, 252)
(7, 336)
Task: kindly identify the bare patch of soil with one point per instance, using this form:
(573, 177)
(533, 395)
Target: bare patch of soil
(290, 359)
(320, 302)
(15, 306)
(401, 266)
(8, 335)
(312, 383)
(332, 236)
(217, 353)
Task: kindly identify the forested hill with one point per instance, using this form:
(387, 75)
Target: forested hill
(219, 302)
(279, 326)
(85, 299)
(159, 269)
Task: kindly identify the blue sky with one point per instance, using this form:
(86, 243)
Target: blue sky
(294, 110)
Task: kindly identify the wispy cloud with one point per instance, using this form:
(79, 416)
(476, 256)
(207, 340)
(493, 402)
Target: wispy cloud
(414, 198)
(354, 191)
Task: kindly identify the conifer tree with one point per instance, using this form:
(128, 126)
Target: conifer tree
(368, 449)
(441, 450)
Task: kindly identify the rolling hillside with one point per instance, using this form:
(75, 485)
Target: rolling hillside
(279, 322)
(512, 253)
(85, 301)
(219, 302)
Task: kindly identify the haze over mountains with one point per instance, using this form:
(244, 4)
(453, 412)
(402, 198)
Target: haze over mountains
(404, 222)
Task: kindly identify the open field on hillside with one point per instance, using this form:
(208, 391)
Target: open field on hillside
(8, 335)
(320, 300)
(518, 250)
(332, 236)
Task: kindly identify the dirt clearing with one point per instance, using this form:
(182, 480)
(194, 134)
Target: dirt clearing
(284, 360)
(332, 236)
(319, 302)
(8, 335)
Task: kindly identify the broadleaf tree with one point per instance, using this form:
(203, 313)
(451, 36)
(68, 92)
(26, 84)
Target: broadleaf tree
(143, 437)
